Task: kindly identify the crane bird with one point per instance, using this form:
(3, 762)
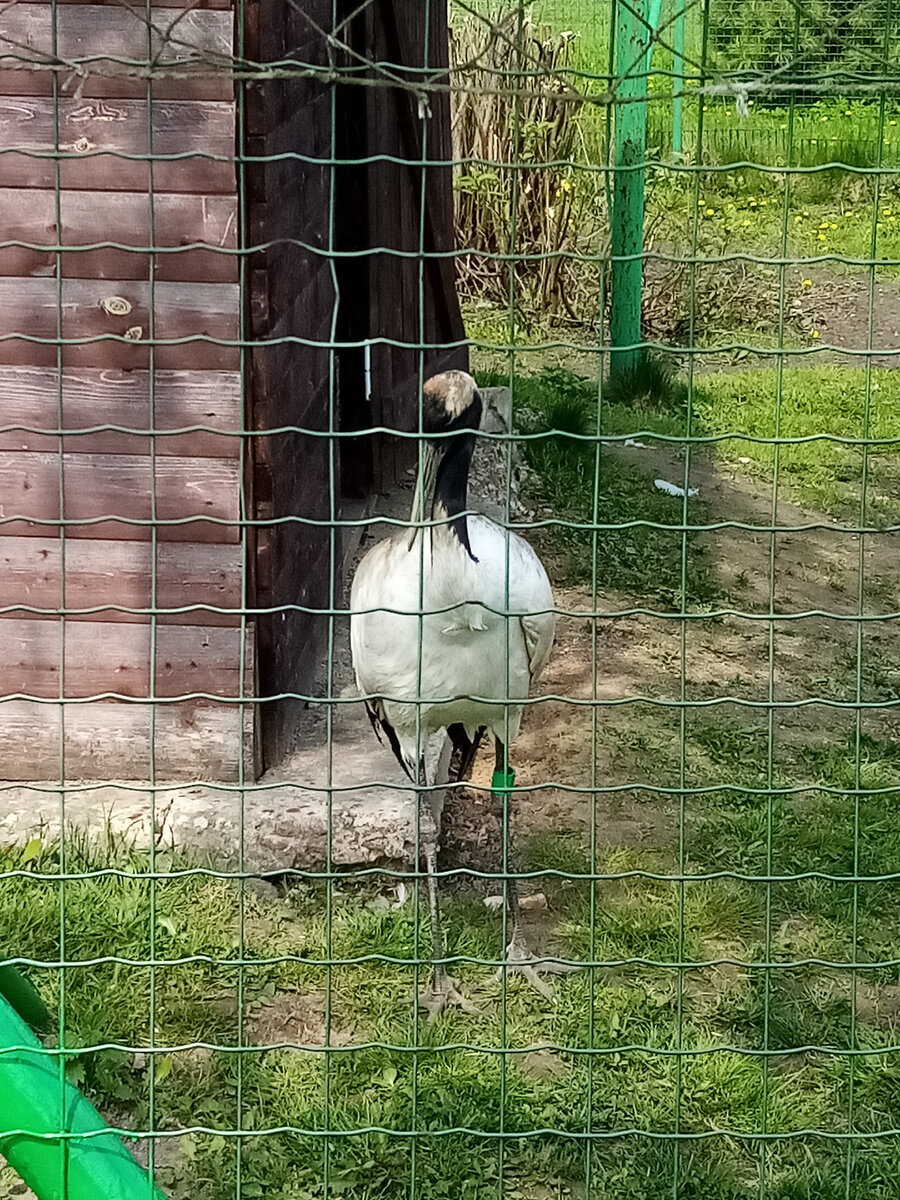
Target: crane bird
(478, 599)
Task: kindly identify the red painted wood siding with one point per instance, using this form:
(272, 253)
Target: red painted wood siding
(106, 481)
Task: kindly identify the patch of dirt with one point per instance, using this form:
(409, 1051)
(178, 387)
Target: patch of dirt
(298, 1018)
(706, 988)
(876, 1003)
(542, 1063)
(837, 307)
(834, 305)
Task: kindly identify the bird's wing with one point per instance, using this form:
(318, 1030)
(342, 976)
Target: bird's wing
(538, 631)
(380, 723)
(533, 597)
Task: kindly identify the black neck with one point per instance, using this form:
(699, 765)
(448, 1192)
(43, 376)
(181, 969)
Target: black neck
(451, 486)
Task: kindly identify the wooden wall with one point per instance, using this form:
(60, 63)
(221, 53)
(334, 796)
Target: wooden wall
(293, 381)
(60, 370)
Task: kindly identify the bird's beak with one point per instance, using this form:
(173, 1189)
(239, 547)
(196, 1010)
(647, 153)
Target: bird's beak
(424, 485)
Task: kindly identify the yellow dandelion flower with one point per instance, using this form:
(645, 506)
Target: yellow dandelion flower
(814, 333)
(885, 212)
(892, 122)
(832, 226)
(823, 224)
(798, 218)
(821, 237)
(710, 212)
(807, 283)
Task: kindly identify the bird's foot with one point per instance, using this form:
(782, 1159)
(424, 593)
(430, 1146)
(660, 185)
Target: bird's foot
(521, 961)
(442, 993)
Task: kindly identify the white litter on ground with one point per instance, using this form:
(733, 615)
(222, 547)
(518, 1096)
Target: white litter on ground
(672, 489)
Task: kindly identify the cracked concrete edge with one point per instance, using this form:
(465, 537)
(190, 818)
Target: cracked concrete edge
(284, 826)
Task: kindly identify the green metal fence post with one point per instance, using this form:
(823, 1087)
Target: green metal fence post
(678, 79)
(627, 234)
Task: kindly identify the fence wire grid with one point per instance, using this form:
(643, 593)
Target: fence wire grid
(237, 239)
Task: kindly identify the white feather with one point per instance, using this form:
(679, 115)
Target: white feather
(475, 662)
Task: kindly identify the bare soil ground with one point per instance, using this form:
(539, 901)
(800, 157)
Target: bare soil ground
(837, 305)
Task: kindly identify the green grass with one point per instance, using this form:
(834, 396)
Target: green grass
(810, 402)
(374, 1085)
(840, 130)
(604, 1057)
(743, 210)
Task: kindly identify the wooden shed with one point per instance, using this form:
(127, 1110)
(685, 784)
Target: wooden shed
(174, 256)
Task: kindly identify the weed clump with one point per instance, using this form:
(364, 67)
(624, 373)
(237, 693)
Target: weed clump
(651, 383)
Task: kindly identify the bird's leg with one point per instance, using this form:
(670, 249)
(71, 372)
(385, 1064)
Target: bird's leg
(441, 990)
(519, 958)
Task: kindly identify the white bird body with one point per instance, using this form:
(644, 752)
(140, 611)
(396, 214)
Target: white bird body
(475, 661)
(449, 628)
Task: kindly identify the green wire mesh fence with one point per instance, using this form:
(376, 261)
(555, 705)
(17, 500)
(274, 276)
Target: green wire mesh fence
(237, 239)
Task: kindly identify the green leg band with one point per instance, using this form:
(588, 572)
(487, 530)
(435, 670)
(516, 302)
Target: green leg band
(503, 781)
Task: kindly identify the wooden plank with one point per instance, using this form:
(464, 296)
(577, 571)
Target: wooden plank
(101, 657)
(29, 215)
(91, 32)
(95, 134)
(94, 308)
(92, 397)
(102, 487)
(104, 572)
(291, 116)
(109, 740)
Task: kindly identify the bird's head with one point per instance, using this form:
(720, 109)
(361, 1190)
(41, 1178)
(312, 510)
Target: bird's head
(451, 405)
